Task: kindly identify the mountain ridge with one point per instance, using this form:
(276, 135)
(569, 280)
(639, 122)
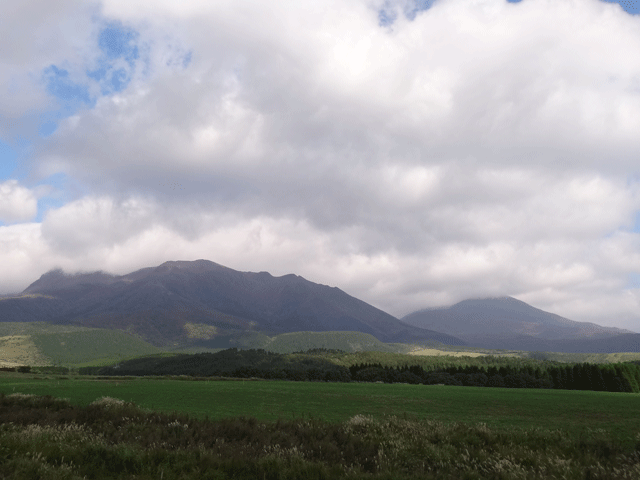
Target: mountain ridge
(165, 304)
(509, 323)
(157, 302)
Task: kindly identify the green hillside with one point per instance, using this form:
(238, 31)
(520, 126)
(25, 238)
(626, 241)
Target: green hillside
(345, 341)
(81, 346)
(29, 328)
(90, 346)
(38, 343)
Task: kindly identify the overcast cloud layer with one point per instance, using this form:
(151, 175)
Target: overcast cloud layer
(413, 159)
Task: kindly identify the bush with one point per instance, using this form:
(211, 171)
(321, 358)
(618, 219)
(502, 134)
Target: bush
(114, 439)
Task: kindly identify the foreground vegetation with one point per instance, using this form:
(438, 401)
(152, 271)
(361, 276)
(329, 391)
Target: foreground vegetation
(575, 412)
(45, 437)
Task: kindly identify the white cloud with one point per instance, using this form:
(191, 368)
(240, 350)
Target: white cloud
(23, 255)
(17, 203)
(37, 34)
(92, 223)
(484, 148)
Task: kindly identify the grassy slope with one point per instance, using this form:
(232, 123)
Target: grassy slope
(428, 362)
(30, 328)
(42, 343)
(46, 344)
(81, 346)
(16, 350)
(346, 341)
(93, 345)
(576, 412)
(303, 341)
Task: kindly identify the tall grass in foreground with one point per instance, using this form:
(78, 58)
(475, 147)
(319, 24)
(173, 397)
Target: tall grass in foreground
(45, 437)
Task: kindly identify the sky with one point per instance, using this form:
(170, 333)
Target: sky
(412, 153)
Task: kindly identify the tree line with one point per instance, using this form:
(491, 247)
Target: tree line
(620, 377)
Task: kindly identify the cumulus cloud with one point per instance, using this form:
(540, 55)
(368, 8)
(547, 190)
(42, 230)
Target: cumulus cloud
(324, 89)
(17, 203)
(37, 34)
(92, 223)
(475, 148)
(22, 255)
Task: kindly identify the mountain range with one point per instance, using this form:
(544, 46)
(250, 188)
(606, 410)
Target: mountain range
(204, 304)
(508, 323)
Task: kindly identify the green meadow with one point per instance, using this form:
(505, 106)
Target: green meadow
(575, 412)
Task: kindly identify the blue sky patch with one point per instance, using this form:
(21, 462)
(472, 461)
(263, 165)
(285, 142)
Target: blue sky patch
(60, 85)
(8, 160)
(71, 97)
(186, 61)
(629, 6)
(115, 66)
(59, 195)
(117, 41)
(387, 15)
(633, 281)
(636, 223)
(419, 6)
(47, 128)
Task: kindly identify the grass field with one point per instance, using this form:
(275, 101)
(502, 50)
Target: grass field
(576, 412)
(434, 352)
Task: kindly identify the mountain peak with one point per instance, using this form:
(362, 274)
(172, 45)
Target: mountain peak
(159, 302)
(190, 266)
(494, 302)
(507, 323)
(57, 279)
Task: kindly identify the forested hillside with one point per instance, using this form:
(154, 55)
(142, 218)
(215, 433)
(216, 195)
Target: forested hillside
(479, 372)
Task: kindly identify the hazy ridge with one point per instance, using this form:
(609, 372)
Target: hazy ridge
(508, 323)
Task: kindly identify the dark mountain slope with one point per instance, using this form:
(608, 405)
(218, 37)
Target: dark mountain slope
(157, 302)
(57, 280)
(507, 323)
(628, 342)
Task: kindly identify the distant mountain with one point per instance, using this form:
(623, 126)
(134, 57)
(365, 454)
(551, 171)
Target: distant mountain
(507, 323)
(203, 303)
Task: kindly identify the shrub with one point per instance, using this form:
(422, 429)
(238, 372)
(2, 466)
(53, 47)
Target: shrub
(105, 440)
